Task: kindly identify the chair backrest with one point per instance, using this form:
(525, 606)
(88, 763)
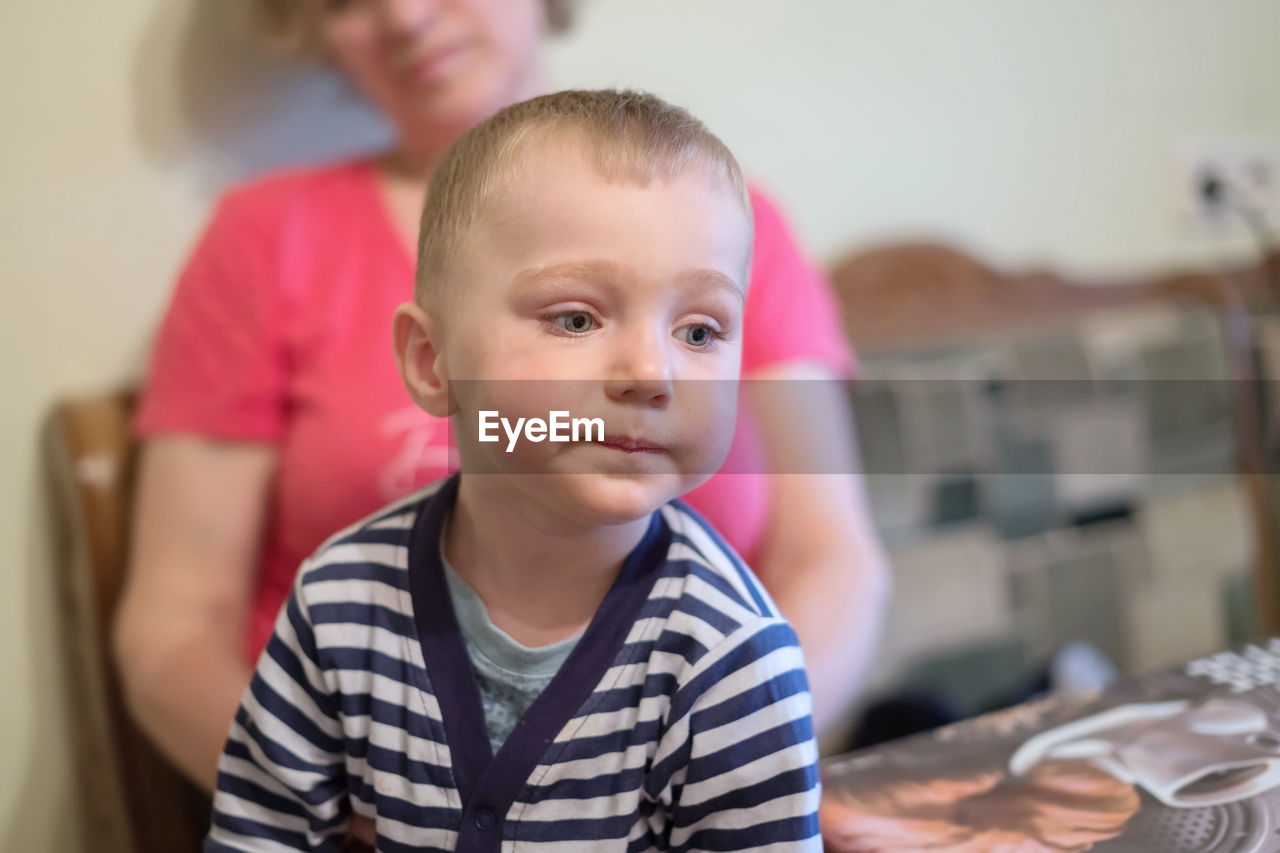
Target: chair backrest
(905, 294)
(910, 293)
(134, 800)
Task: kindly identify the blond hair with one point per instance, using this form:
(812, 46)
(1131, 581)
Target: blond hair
(631, 136)
(285, 22)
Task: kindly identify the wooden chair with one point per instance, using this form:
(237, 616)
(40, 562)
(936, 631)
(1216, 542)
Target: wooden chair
(134, 800)
(912, 293)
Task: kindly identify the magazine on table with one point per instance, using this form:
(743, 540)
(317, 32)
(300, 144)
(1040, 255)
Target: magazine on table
(1182, 760)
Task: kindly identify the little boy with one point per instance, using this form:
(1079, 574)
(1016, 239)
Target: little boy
(547, 651)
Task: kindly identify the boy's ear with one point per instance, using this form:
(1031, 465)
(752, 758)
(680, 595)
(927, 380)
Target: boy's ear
(416, 338)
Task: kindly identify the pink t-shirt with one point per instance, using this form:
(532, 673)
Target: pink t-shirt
(280, 331)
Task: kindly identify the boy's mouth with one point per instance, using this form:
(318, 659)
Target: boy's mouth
(628, 444)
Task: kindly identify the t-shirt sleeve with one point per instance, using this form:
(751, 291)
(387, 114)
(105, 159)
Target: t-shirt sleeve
(791, 313)
(739, 761)
(218, 365)
(281, 777)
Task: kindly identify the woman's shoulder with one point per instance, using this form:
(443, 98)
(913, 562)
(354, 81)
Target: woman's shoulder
(771, 223)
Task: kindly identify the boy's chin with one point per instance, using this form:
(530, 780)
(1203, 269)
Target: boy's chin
(615, 499)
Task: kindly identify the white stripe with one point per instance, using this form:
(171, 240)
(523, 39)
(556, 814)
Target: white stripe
(770, 665)
(620, 761)
(298, 780)
(417, 836)
(282, 683)
(244, 842)
(358, 591)
(780, 808)
(356, 681)
(355, 553)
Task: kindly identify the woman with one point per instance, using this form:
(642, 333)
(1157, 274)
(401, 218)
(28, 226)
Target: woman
(273, 417)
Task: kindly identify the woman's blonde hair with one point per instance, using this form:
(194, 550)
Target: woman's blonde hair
(628, 136)
(284, 22)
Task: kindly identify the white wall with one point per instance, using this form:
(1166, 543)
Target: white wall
(1038, 130)
(1033, 131)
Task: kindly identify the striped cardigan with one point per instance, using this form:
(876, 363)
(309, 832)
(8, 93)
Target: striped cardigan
(681, 720)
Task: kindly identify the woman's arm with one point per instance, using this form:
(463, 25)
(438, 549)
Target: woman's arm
(180, 631)
(282, 781)
(821, 560)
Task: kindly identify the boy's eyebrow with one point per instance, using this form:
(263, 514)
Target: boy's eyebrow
(601, 271)
(590, 270)
(715, 281)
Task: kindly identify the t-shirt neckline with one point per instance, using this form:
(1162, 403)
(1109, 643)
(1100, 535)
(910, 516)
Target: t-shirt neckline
(370, 180)
(500, 648)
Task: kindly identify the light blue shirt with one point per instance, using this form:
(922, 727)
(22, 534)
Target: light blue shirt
(510, 675)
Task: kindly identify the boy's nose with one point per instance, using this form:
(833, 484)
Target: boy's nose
(407, 17)
(642, 371)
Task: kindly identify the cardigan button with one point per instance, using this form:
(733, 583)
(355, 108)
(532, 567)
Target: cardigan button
(485, 820)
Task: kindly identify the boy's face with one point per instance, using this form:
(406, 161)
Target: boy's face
(607, 300)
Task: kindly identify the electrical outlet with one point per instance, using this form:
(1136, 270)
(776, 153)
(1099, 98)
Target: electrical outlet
(1223, 182)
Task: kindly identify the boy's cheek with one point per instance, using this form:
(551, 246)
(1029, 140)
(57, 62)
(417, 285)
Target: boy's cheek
(708, 412)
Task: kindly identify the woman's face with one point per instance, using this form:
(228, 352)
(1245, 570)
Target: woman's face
(435, 67)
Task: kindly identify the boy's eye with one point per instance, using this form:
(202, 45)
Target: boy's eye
(575, 322)
(698, 335)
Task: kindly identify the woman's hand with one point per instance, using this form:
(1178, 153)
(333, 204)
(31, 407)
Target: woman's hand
(1060, 807)
(362, 835)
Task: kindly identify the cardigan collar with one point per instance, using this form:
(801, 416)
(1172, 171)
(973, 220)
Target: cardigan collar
(489, 784)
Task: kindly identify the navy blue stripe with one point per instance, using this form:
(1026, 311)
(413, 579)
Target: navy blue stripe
(361, 613)
(785, 784)
(386, 845)
(414, 814)
(660, 773)
(643, 844)
(291, 663)
(301, 626)
(758, 835)
(292, 716)
(391, 714)
(617, 698)
(254, 793)
(391, 576)
(574, 829)
(391, 761)
(748, 579)
(762, 695)
(658, 606)
(606, 784)
(275, 752)
(717, 619)
(771, 637)
(683, 645)
(762, 745)
(360, 659)
(257, 829)
(715, 580)
(595, 746)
